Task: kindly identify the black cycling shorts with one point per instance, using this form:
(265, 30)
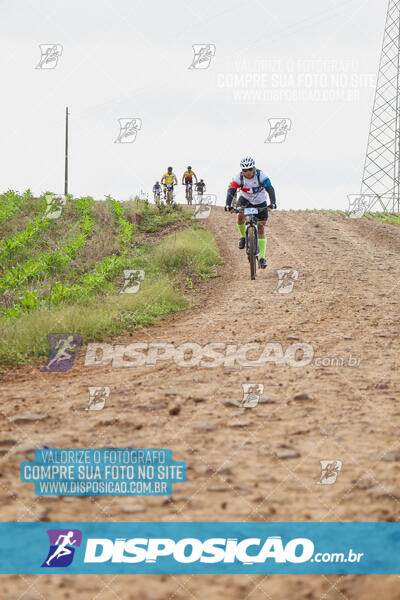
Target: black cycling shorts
(262, 208)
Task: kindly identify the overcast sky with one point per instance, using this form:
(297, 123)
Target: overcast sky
(312, 62)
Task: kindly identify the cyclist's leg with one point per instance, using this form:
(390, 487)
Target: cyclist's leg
(262, 240)
(241, 220)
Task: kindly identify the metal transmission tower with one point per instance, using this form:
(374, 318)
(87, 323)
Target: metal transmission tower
(381, 176)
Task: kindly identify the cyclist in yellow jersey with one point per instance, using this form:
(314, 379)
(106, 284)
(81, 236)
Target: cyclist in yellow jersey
(168, 180)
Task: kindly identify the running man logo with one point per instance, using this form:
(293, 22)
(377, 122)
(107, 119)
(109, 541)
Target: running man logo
(251, 394)
(202, 211)
(62, 351)
(62, 550)
(209, 200)
(97, 397)
(203, 54)
(278, 129)
(143, 195)
(358, 205)
(286, 280)
(54, 206)
(128, 129)
(203, 206)
(133, 279)
(50, 54)
(329, 471)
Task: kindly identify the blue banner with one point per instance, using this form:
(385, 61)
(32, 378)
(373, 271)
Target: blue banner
(200, 548)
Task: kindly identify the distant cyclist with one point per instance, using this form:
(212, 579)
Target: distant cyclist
(188, 175)
(157, 192)
(252, 186)
(187, 180)
(168, 180)
(200, 188)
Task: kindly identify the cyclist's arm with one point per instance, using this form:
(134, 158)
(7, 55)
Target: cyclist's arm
(176, 181)
(270, 191)
(231, 193)
(272, 197)
(183, 178)
(162, 180)
(195, 176)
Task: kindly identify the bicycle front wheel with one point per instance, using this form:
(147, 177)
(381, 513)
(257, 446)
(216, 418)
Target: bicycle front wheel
(251, 232)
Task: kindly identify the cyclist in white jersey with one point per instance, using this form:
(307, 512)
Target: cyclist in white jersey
(253, 186)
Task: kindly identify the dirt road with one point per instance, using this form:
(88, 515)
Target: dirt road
(244, 464)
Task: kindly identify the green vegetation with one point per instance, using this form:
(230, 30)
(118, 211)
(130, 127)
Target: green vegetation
(57, 258)
(393, 218)
(153, 218)
(11, 202)
(72, 276)
(194, 251)
(26, 237)
(25, 338)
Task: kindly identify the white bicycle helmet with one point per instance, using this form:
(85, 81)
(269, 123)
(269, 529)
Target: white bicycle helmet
(247, 162)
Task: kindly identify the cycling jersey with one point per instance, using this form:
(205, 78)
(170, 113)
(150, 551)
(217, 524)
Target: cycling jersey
(168, 178)
(200, 186)
(188, 175)
(254, 189)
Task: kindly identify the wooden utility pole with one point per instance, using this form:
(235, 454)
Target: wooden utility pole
(66, 153)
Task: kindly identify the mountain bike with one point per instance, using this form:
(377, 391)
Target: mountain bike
(157, 196)
(189, 192)
(200, 193)
(170, 193)
(252, 250)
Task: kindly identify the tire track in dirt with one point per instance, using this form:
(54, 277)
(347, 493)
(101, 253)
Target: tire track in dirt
(243, 464)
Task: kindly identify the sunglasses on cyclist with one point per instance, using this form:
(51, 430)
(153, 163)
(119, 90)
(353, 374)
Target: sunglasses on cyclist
(247, 170)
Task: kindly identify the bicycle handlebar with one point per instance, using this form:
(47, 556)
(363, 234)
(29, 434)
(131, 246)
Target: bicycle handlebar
(238, 210)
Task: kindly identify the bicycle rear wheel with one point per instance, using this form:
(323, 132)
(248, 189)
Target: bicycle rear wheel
(252, 251)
